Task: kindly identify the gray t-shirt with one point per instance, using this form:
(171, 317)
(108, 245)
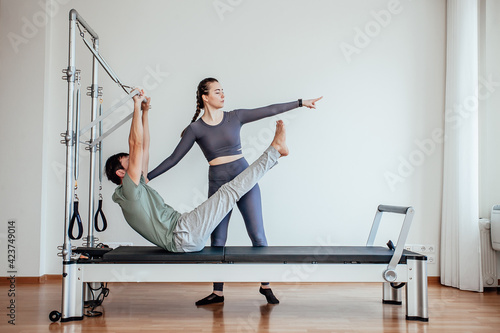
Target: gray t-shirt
(146, 212)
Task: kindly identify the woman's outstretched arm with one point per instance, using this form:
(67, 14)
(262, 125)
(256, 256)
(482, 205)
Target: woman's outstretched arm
(180, 151)
(249, 115)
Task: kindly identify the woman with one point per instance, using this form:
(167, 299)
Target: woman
(218, 135)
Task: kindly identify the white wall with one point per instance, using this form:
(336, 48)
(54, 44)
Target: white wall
(489, 116)
(374, 138)
(22, 86)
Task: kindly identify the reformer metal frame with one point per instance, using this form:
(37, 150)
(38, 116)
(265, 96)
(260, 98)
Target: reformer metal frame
(75, 274)
(412, 274)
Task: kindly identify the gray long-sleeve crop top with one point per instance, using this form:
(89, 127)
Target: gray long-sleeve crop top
(218, 140)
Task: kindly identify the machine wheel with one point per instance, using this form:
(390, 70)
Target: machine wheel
(54, 316)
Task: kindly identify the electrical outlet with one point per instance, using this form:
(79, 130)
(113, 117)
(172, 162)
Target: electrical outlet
(423, 248)
(408, 247)
(431, 259)
(418, 248)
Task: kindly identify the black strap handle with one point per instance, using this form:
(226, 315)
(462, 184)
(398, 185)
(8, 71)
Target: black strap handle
(96, 218)
(398, 285)
(76, 216)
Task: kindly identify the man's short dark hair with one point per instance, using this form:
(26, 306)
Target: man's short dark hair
(113, 164)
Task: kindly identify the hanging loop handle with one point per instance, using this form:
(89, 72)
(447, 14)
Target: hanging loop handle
(96, 218)
(76, 217)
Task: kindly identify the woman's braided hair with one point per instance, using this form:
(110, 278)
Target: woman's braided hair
(203, 88)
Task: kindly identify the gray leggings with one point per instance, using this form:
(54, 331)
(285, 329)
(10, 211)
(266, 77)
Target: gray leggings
(194, 228)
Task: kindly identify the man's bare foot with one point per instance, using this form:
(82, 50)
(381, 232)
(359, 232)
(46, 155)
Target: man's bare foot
(279, 141)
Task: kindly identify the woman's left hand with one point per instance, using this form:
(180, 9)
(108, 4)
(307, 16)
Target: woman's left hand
(311, 103)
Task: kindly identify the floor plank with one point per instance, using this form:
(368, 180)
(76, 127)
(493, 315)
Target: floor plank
(305, 307)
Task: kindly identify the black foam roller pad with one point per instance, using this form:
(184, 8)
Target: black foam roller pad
(156, 254)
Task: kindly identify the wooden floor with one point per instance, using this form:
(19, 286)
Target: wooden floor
(306, 307)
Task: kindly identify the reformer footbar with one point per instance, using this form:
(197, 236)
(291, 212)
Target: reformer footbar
(390, 273)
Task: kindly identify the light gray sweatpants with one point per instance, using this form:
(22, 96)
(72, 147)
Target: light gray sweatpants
(194, 228)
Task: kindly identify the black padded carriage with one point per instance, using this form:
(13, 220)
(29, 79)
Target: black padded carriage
(270, 254)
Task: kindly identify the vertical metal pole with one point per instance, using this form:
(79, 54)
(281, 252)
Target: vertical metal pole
(95, 104)
(94, 93)
(77, 131)
(70, 142)
(99, 147)
(71, 310)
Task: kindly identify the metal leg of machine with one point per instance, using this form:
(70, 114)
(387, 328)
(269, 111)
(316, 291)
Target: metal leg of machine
(391, 295)
(416, 291)
(72, 303)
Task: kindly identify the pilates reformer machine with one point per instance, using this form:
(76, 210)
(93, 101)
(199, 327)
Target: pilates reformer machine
(392, 266)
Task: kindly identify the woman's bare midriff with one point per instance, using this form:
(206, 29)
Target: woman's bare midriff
(225, 159)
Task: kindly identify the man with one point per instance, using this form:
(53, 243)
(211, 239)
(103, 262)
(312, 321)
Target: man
(146, 212)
